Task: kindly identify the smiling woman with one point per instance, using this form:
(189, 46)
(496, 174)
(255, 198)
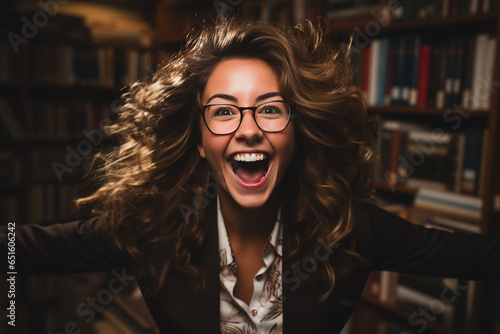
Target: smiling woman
(247, 82)
(270, 117)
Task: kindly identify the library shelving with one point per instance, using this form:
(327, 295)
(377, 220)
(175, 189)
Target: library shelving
(58, 88)
(433, 83)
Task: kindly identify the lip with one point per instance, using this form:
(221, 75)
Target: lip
(268, 156)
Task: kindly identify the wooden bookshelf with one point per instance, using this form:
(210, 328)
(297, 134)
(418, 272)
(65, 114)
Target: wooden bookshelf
(46, 309)
(460, 22)
(482, 303)
(376, 307)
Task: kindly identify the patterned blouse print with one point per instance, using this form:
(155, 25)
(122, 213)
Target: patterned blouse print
(264, 314)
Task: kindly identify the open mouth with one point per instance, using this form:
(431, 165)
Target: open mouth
(250, 168)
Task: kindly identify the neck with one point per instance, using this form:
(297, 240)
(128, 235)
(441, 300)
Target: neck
(249, 224)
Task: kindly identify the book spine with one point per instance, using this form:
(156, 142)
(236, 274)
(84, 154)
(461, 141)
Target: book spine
(423, 75)
(471, 163)
(413, 70)
(398, 72)
(382, 76)
(366, 72)
(374, 72)
(451, 65)
(477, 88)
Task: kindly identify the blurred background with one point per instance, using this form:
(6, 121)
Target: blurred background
(422, 65)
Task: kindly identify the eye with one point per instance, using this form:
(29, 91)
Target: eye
(270, 109)
(222, 111)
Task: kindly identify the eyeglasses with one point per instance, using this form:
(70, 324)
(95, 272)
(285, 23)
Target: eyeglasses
(223, 118)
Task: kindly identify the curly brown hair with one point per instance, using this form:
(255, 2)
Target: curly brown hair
(156, 166)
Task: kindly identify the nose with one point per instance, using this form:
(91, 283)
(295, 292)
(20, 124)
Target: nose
(248, 130)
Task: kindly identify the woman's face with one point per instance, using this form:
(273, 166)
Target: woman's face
(246, 83)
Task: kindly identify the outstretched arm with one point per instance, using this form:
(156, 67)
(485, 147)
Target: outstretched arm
(394, 244)
(77, 246)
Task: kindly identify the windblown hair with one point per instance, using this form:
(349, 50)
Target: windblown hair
(149, 177)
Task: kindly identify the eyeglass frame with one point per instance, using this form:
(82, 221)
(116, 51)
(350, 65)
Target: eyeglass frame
(203, 108)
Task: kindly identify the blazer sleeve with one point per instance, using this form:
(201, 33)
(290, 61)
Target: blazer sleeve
(78, 246)
(391, 243)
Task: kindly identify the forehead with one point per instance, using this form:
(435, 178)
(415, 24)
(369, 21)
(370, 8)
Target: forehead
(242, 78)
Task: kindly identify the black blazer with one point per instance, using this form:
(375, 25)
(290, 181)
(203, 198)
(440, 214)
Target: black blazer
(386, 241)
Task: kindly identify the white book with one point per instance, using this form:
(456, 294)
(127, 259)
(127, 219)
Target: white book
(451, 197)
(478, 80)
(489, 66)
(474, 6)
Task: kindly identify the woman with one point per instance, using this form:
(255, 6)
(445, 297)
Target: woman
(240, 193)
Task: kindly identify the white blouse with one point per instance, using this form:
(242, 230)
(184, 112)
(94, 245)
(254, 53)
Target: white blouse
(264, 314)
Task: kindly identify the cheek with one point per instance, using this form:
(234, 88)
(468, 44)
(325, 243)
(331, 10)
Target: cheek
(212, 148)
(288, 143)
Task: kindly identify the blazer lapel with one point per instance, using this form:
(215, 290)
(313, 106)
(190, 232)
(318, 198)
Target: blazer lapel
(180, 308)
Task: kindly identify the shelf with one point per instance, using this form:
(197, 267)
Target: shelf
(479, 20)
(72, 141)
(398, 188)
(43, 89)
(392, 110)
(462, 22)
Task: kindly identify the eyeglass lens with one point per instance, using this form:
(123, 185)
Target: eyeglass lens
(225, 118)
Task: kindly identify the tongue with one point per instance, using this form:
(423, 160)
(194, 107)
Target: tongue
(251, 172)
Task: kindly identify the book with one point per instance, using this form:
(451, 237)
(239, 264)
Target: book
(470, 52)
(437, 56)
(479, 68)
(458, 73)
(451, 68)
(423, 75)
(440, 77)
(487, 75)
(10, 126)
(429, 158)
(410, 89)
(398, 74)
(366, 72)
(449, 205)
(472, 161)
(373, 76)
(383, 72)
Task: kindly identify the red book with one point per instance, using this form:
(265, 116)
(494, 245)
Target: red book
(423, 75)
(366, 72)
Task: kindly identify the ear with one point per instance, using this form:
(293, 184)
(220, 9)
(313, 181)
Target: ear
(201, 150)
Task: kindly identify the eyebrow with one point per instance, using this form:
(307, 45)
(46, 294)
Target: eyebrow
(234, 99)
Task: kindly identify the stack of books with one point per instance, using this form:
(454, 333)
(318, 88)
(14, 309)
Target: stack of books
(418, 155)
(414, 72)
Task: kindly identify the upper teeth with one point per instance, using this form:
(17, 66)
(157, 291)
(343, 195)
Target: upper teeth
(249, 157)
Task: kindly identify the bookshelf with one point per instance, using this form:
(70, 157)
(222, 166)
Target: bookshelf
(407, 126)
(57, 90)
